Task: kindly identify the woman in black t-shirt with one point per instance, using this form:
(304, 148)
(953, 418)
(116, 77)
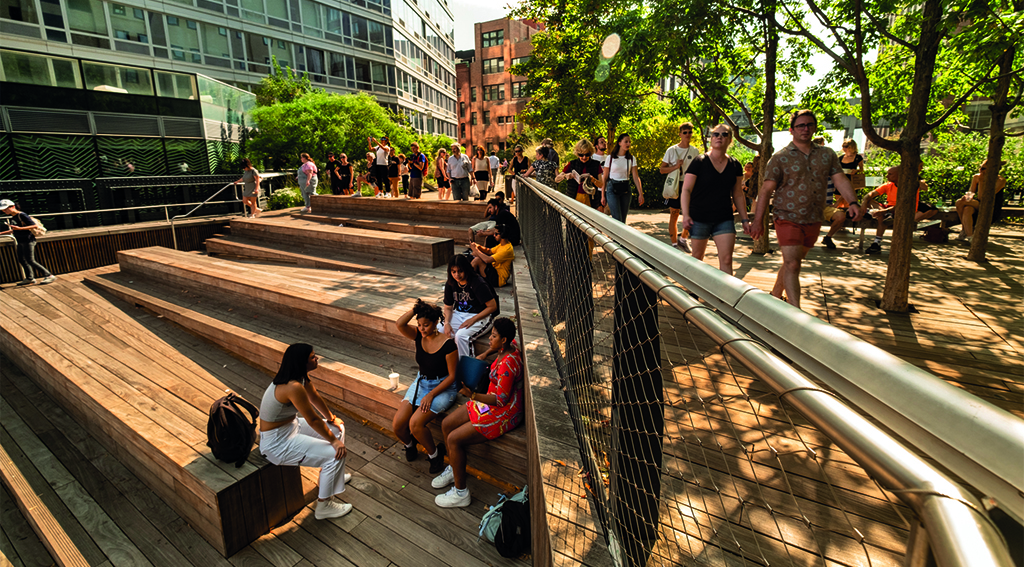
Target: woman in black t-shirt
(519, 165)
(20, 227)
(711, 181)
(434, 389)
(589, 172)
(469, 304)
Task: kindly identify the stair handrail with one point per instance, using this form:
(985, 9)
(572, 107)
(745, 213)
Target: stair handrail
(174, 236)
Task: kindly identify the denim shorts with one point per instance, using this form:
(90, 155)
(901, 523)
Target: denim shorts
(705, 230)
(423, 386)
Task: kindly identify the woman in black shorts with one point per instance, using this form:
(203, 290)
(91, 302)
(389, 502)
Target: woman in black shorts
(444, 183)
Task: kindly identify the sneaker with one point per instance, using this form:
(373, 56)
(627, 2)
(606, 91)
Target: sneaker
(962, 236)
(446, 478)
(451, 499)
(49, 279)
(305, 209)
(437, 463)
(387, 195)
(875, 248)
(27, 281)
(827, 241)
(684, 244)
(348, 477)
(411, 453)
(331, 508)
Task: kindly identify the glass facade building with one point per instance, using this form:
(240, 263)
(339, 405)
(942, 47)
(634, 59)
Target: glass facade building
(402, 51)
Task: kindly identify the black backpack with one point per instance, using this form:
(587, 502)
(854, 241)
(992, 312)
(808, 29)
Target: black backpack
(513, 537)
(230, 433)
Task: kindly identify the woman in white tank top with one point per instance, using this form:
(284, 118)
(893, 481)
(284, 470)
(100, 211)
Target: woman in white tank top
(310, 440)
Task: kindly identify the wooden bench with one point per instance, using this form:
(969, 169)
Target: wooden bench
(418, 210)
(356, 309)
(945, 218)
(148, 405)
(315, 238)
(458, 233)
(343, 380)
(283, 253)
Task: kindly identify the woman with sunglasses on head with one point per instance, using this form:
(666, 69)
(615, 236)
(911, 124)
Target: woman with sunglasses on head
(616, 194)
(520, 164)
(583, 172)
(444, 184)
(712, 185)
(316, 439)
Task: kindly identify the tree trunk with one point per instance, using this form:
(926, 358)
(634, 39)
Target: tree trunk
(896, 296)
(987, 193)
(768, 109)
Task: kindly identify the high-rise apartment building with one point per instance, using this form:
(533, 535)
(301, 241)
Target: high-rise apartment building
(490, 98)
(402, 51)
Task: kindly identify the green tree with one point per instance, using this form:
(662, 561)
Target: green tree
(282, 85)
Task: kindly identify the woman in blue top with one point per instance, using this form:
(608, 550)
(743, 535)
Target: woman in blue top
(433, 391)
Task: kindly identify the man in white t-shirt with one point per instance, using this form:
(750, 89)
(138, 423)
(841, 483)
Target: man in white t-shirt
(382, 150)
(495, 162)
(677, 159)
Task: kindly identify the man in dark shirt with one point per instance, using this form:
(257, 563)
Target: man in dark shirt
(332, 167)
(417, 171)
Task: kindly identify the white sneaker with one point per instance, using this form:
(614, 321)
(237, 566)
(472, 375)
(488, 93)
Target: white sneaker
(348, 477)
(387, 195)
(49, 279)
(331, 508)
(444, 479)
(27, 281)
(451, 499)
(683, 244)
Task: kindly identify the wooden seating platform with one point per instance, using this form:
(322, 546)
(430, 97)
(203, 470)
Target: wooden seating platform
(417, 210)
(457, 232)
(285, 254)
(309, 237)
(149, 405)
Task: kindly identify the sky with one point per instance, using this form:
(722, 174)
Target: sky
(469, 12)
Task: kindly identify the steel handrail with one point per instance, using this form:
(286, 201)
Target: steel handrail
(174, 236)
(969, 436)
(165, 206)
(957, 529)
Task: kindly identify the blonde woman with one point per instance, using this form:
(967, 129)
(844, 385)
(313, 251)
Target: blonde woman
(444, 183)
(582, 173)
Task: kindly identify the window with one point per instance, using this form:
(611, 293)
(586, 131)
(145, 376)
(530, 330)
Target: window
(115, 78)
(87, 16)
(175, 85)
(215, 41)
(494, 65)
(462, 130)
(492, 38)
(127, 26)
(517, 90)
(472, 94)
(487, 117)
(519, 60)
(40, 70)
(494, 92)
(21, 11)
(462, 110)
(473, 119)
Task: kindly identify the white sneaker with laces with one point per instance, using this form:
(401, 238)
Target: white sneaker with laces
(348, 477)
(331, 508)
(444, 479)
(451, 499)
(49, 279)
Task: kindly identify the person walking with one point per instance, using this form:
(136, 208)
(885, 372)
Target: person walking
(583, 175)
(417, 165)
(250, 181)
(678, 159)
(495, 163)
(20, 228)
(444, 183)
(331, 167)
(458, 172)
(482, 174)
(616, 194)
(308, 180)
(382, 152)
(520, 164)
(316, 439)
(798, 176)
(711, 181)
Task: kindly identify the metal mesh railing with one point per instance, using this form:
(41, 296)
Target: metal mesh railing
(692, 450)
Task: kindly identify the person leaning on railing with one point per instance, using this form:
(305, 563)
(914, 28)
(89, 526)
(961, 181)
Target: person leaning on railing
(484, 417)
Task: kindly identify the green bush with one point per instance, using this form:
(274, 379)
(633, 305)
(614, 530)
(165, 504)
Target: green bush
(285, 199)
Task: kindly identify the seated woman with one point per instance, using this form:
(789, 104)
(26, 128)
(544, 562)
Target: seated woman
(310, 440)
(494, 264)
(433, 391)
(469, 304)
(969, 204)
(485, 417)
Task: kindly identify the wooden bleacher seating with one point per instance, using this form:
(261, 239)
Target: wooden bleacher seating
(311, 238)
(417, 210)
(457, 232)
(148, 405)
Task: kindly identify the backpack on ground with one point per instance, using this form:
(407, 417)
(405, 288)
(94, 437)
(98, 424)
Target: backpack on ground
(507, 524)
(230, 432)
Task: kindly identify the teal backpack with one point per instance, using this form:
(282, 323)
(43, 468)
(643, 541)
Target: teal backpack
(491, 521)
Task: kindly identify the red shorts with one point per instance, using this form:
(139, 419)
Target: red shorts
(794, 234)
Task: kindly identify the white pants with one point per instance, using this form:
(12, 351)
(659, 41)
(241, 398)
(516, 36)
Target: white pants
(464, 337)
(298, 444)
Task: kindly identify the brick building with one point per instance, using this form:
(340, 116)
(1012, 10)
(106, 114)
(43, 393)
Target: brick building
(488, 96)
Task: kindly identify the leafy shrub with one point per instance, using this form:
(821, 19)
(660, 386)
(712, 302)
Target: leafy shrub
(285, 199)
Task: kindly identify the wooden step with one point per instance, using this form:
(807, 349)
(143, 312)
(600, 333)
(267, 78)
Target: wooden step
(150, 405)
(354, 312)
(339, 380)
(457, 232)
(418, 210)
(241, 248)
(310, 237)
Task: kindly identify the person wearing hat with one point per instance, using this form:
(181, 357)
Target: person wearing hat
(21, 229)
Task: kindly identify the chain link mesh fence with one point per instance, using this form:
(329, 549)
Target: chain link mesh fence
(689, 459)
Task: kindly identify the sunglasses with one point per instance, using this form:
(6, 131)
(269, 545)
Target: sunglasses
(584, 155)
(686, 132)
(720, 134)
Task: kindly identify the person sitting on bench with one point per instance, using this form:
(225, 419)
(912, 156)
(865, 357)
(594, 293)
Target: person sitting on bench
(924, 210)
(433, 391)
(469, 304)
(310, 440)
(969, 204)
(494, 264)
(484, 417)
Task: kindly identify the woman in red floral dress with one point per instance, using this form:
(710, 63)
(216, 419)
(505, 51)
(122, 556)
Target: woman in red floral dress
(486, 416)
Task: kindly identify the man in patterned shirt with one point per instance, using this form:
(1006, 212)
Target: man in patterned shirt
(798, 175)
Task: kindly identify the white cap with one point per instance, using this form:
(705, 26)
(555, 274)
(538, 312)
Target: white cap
(6, 204)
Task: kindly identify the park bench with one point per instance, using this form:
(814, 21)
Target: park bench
(416, 210)
(148, 405)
